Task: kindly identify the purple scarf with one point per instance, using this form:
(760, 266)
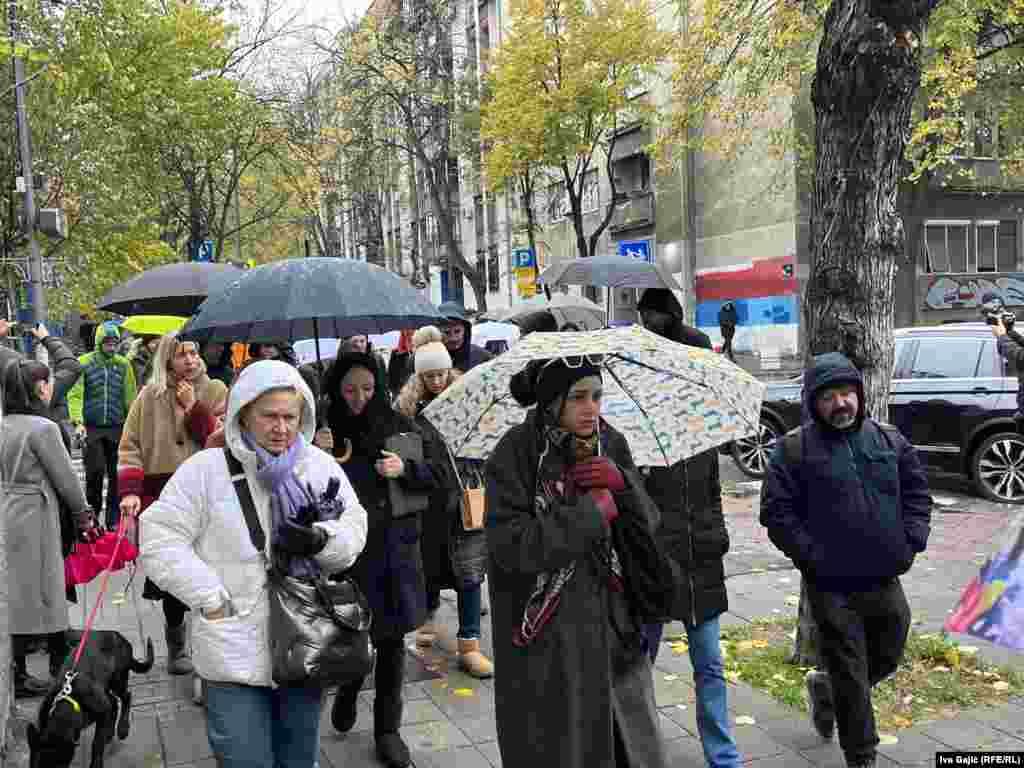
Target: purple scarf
(289, 500)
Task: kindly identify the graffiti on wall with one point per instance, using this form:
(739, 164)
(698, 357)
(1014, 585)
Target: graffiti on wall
(968, 291)
(764, 292)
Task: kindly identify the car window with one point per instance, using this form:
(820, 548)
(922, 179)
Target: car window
(898, 349)
(989, 366)
(939, 358)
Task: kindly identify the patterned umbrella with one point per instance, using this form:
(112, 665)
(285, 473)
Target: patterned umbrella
(669, 400)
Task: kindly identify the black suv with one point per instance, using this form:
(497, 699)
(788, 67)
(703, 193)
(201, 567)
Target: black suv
(952, 395)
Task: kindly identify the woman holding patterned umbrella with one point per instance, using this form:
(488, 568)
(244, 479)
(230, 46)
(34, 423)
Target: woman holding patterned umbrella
(575, 688)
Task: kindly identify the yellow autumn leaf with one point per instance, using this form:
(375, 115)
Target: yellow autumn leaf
(464, 692)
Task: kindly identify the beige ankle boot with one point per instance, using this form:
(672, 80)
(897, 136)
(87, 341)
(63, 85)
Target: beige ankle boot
(474, 662)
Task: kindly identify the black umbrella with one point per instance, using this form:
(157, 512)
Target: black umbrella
(173, 289)
(309, 298)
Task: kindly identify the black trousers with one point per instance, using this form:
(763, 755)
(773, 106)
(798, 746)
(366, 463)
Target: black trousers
(863, 635)
(388, 678)
(101, 461)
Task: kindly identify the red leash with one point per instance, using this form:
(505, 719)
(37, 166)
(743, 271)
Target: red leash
(123, 526)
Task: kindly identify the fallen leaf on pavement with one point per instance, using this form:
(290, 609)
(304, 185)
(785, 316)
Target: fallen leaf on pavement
(670, 678)
(1002, 685)
(463, 691)
(745, 720)
(792, 600)
(887, 739)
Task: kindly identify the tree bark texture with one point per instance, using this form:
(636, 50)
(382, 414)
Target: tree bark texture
(868, 74)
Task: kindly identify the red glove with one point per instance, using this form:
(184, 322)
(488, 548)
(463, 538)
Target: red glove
(605, 502)
(599, 472)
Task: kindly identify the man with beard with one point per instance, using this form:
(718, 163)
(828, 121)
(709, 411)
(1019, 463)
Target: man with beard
(846, 499)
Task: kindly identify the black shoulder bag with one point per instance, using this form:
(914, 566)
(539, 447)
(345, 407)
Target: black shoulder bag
(319, 630)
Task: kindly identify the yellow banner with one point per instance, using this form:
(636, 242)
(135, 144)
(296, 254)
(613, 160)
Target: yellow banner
(526, 281)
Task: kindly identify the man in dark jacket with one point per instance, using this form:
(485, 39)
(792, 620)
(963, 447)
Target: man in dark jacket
(846, 499)
(1011, 346)
(458, 337)
(693, 532)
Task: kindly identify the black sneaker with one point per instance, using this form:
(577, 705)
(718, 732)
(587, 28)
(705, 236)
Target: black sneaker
(343, 712)
(392, 750)
(871, 762)
(819, 700)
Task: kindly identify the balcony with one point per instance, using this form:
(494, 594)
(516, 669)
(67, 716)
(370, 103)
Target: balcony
(635, 212)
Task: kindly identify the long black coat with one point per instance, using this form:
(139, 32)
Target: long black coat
(559, 699)
(390, 568)
(693, 532)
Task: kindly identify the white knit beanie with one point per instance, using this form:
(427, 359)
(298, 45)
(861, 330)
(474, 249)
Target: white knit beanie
(433, 357)
(425, 335)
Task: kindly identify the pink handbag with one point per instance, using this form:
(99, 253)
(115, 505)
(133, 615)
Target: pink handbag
(90, 559)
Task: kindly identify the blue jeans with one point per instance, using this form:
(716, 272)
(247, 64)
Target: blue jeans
(470, 600)
(260, 727)
(709, 680)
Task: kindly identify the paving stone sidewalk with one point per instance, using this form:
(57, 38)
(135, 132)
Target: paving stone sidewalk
(449, 721)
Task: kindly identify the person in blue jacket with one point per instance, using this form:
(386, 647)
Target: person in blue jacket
(846, 499)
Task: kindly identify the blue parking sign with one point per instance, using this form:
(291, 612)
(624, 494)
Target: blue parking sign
(202, 250)
(637, 249)
(523, 258)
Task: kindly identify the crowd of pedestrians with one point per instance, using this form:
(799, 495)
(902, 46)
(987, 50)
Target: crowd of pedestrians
(176, 430)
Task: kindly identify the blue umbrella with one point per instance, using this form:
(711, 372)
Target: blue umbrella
(310, 298)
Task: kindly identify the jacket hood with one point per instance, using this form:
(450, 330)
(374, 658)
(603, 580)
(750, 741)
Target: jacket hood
(255, 380)
(662, 300)
(455, 312)
(103, 330)
(828, 370)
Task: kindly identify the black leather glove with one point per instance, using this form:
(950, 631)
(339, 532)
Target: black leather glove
(301, 540)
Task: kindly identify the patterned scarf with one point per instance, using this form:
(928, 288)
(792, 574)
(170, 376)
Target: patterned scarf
(547, 592)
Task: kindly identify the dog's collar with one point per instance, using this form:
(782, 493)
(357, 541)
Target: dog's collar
(74, 704)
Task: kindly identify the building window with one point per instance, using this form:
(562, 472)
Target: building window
(493, 270)
(632, 174)
(591, 198)
(558, 202)
(945, 244)
(968, 247)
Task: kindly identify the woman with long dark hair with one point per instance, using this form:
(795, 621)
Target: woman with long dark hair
(38, 477)
(360, 422)
(575, 687)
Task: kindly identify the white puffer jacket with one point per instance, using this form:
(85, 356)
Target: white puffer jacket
(196, 546)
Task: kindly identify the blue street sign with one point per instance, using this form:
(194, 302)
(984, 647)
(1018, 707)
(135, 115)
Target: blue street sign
(201, 250)
(637, 249)
(523, 258)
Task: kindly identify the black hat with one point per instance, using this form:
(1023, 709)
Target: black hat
(544, 381)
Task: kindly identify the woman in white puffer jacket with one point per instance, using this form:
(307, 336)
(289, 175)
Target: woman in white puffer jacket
(196, 546)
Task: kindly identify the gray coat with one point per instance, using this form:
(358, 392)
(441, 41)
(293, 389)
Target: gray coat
(558, 700)
(36, 473)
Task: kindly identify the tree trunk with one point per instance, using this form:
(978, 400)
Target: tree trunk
(414, 233)
(443, 215)
(868, 74)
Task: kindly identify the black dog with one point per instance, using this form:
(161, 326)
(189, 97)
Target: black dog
(99, 694)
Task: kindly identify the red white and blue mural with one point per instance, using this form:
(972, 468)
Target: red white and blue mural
(764, 292)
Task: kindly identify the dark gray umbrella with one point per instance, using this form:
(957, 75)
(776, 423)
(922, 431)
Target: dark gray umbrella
(309, 299)
(610, 271)
(173, 289)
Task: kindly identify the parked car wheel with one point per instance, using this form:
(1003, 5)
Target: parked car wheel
(753, 453)
(997, 468)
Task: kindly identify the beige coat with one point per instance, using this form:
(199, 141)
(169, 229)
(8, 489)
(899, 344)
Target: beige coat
(157, 438)
(37, 474)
